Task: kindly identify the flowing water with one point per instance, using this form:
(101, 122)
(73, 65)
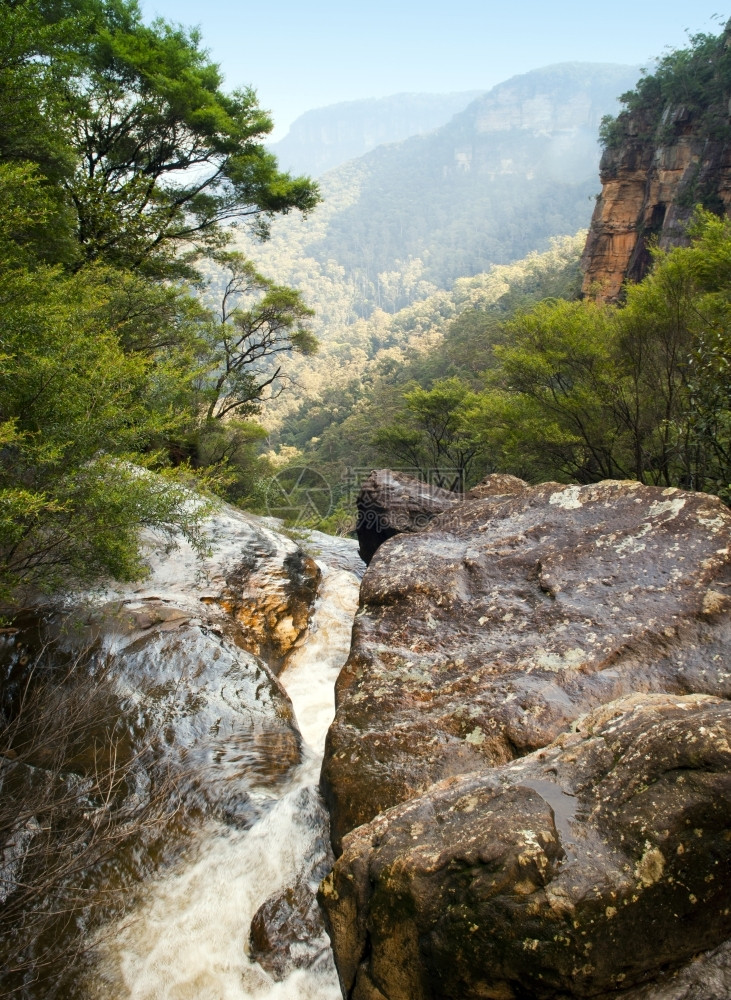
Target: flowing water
(188, 937)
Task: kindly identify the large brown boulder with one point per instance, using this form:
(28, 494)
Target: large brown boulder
(594, 864)
(486, 635)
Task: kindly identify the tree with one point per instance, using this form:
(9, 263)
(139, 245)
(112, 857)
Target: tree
(684, 305)
(585, 391)
(121, 163)
(435, 440)
(154, 156)
(258, 321)
(76, 409)
(557, 366)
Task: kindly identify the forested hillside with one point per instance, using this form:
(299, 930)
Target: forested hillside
(514, 169)
(324, 138)
(355, 387)
(518, 375)
(510, 371)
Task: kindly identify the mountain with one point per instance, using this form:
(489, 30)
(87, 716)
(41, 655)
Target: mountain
(324, 138)
(668, 151)
(515, 168)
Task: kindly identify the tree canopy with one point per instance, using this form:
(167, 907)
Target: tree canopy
(152, 154)
(124, 166)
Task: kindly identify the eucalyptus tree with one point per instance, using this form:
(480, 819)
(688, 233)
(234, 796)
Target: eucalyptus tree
(157, 159)
(123, 165)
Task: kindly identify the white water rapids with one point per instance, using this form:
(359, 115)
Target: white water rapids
(188, 938)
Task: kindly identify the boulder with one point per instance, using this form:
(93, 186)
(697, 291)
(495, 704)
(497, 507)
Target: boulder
(391, 503)
(487, 634)
(284, 928)
(258, 583)
(496, 485)
(213, 713)
(587, 867)
(182, 665)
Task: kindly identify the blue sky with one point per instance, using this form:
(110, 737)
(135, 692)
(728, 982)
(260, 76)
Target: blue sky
(302, 55)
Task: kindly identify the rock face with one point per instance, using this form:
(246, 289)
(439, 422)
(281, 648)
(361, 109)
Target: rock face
(662, 162)
(581, 869)
(187, 709)
(288, 931)
(391, 503)
(486, 635)
(531, 727)
(215, 715)
(262, 582)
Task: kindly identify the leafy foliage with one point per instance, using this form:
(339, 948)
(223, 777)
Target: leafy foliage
(437, 440)
(154, 155)
(584, 392)
(121, 158)
(696, 79)
(447, 335)
(76, 405)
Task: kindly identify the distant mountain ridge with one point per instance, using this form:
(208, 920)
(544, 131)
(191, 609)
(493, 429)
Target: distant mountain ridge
(515, 168)
(518, 166)
(324, 138)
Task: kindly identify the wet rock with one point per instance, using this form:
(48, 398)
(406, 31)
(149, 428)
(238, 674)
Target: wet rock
(254, 584)
(216, 716)
(391, 503)
(585, 868)
(271, 604)
(257, 583)
(706, 977)
(185, 692)
(288, 930)
(154, 710)
(484, 636)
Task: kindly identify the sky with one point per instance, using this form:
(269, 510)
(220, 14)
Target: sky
(304, 54)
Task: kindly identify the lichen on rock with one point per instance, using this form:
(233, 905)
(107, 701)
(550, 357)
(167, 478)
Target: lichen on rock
(528, 772)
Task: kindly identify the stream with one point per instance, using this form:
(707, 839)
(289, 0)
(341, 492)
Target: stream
(187, 938)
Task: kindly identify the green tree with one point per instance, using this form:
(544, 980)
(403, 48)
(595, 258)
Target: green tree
(257, 322)
(557, 366)
(584, 391)
(121, 160)
(154, 156)
(435, 438)
(75, 408)
(684, 307)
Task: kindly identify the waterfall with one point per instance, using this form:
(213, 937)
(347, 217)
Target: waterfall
(187, 938)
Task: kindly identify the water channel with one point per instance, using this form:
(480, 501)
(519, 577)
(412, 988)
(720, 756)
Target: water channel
(187, 939)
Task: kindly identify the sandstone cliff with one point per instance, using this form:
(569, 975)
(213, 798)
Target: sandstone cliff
(669, 151)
